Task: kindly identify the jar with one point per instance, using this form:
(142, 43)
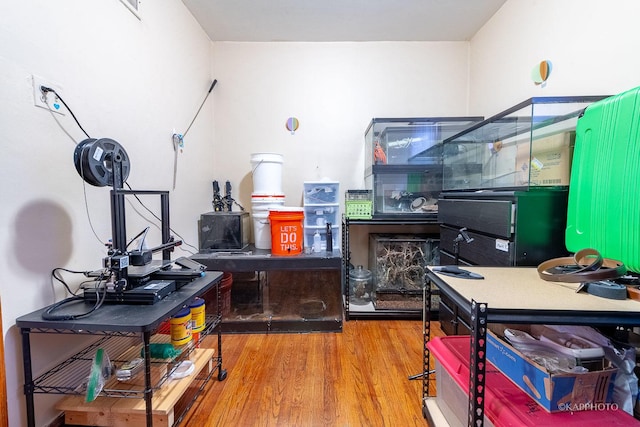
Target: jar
(360, 285)
(181, 327)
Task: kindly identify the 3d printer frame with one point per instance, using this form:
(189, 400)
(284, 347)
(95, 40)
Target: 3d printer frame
(104, 162)
(118, 221)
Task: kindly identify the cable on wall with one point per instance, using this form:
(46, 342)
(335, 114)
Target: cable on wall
(178, 139)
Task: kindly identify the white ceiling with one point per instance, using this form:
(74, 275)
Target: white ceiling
(342, 20)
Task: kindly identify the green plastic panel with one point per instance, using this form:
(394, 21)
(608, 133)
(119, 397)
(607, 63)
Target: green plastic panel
(604, 210)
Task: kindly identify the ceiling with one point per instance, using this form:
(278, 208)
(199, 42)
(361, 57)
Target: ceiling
(342, 20)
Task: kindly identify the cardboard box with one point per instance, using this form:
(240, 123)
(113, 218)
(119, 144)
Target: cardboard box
(554, 392)
(547, 162)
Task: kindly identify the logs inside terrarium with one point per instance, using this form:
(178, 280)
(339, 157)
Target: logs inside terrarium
(398, 264)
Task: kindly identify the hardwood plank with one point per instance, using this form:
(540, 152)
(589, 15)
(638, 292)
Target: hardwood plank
(354, 378)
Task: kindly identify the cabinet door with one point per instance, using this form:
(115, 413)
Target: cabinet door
(487, 216)
(483, 250)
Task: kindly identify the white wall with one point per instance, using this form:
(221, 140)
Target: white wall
(592, 45)
(334, 89)
(128, 79)
(135, 81)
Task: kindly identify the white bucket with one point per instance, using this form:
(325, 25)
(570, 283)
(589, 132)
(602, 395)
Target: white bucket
(261, 230)
(266, 169)
(263, 202)
(260, 205)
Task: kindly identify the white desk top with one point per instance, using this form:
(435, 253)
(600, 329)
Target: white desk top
(520, 288)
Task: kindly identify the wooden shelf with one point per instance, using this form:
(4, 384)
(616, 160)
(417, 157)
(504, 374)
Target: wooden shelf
(110, 411)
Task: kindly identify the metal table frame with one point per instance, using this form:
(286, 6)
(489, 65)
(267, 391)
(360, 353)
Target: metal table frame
(511, 303)
(251, 259)
(116, 320)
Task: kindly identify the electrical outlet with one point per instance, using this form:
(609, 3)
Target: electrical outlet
(47, 100)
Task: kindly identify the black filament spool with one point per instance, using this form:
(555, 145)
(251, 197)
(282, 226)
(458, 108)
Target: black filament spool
(94, 159)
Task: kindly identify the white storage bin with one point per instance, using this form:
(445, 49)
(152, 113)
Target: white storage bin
(320, 215)
(321, 192)
(311, 230)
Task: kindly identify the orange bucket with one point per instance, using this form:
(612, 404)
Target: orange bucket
(287, 232)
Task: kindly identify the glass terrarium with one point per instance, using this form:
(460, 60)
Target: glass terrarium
(403, 162)
(398, 265)
(528, 145)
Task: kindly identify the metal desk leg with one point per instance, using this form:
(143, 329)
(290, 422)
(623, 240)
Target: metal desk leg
(148, 391)
(222, 374)
(426, 334)
(346, 259)
(28, 377)
(478, 363)
(264, 281)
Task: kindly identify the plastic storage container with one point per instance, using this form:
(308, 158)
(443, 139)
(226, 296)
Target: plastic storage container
(358, 204)
(320, 215)
(310, 231)
(321, 207)
(321, 192)
(181, 327)
(198, 315)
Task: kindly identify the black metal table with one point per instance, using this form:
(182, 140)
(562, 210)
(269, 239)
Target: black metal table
(407, 224)
(114, 320)
(316, 276)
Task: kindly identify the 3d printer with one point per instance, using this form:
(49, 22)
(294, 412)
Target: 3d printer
(134, 276)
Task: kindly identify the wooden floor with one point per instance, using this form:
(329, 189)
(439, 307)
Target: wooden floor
(358, 377)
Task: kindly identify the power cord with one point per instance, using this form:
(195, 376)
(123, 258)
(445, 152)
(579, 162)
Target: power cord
(45, 90)
(49, 313)
(178, 139)
(55, 274)
(158, 218)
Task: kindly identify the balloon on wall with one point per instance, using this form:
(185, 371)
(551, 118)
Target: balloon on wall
(292, 124)
(541, 72)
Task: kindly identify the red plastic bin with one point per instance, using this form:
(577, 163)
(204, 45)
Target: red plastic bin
(505, 403)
